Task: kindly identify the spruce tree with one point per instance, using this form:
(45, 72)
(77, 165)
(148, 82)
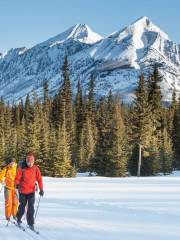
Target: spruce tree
(88, 144)
(155, 98)
(166, 153)
(65, 107)
(176, 136)
(2, 137)
(117, 157)
(79, 129)
(32, 120)
(7, 130)
(21, 140)
(44, 114)
(53, 141)
(62, 155)
(99, 162)
(170, 113)
(140, 123)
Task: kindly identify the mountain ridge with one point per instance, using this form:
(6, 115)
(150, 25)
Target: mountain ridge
(115, 61)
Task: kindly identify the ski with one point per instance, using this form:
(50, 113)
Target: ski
(33, 230)
(19, 226)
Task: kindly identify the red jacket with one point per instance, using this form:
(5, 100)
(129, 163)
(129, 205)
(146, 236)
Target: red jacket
(26, 179)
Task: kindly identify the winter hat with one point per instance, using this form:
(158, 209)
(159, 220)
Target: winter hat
(10, 160)
(30, 158)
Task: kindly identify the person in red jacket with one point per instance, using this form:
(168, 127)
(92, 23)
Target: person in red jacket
(25, 181)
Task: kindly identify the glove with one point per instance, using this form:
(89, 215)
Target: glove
(41, 193)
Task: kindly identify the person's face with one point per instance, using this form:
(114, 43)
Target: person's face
(30, 161)
(12, 164)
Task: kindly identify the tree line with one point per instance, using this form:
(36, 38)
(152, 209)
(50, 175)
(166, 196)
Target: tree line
(70, 135)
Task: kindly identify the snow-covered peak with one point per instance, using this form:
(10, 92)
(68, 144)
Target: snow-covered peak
(83, 33)
(80, 32)
(138, 28)
(116, 61)
(145, 24)
(129, 45)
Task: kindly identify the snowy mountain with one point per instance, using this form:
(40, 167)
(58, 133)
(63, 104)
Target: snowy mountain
(115, 61)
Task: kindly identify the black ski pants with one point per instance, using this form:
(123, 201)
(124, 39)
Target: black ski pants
(28, 199)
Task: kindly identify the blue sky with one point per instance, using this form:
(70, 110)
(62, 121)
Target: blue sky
(28, 22)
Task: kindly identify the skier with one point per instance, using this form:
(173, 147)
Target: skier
(25, 182)
(7, 175)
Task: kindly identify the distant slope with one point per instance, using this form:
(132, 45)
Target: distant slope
(115, 61)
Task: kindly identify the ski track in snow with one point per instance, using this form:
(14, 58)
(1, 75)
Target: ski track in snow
(86, 208)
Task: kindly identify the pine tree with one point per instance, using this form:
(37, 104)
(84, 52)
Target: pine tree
(91, 106)
(140, 123)
(100, 159)
(32, 120)
(44, 114)
(170, 113)
(155, 98)
(79, 129)
(21, 140)
(87, 144)
(52, 151)
(2, 137)
(28, 110)
(62, 156)
(67, 97)
(166, 153)
(117, 158)
(7, 130)
(65, 102)
(176, 136)
(44, 146)
(46, 102)
(54, 111)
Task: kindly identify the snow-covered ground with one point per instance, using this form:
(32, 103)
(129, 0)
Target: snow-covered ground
(97, 208)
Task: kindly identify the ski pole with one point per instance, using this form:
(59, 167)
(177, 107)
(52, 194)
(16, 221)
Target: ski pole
(2, 185)
(37, 209)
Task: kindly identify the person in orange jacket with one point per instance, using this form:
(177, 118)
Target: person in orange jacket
(7, 175)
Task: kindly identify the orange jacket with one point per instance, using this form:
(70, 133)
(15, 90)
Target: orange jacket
(8, 175)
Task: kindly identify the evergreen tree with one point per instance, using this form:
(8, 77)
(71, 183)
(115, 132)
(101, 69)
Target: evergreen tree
(67, 98)
(62, 156)
(79, 128)
(33, 119)
(100, 159)
(91, 106)
(46, 102)
(44, 148)
(7, 130)
(21, 140)
(87, 145)
(65, 107)
(176, 136)
(28, 110)
(166, 153)
(52, 152)
(155, 98)
(44, 114)
(2, 137)
(170, 113)
(140, 123)
(117, 158)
